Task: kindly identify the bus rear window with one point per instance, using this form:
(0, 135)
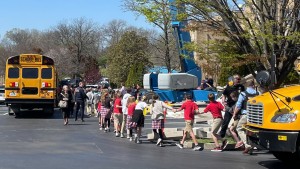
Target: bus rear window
(30, 73)
(46, 73)
(13, 73)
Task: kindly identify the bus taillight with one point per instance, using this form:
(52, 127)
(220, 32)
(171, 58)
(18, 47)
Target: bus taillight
(45, 84)
(13, 84)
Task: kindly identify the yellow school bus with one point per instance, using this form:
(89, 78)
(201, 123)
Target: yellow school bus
(30, 82)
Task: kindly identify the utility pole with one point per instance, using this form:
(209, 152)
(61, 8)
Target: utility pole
(273, 71)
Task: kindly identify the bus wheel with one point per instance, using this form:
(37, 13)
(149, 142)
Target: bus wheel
(10, 112)
(14, 111)
(49, 111)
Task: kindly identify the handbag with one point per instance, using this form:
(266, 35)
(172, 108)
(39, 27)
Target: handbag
(63, 103)
(158, 116)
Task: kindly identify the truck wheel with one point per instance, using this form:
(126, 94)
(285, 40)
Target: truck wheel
(288, 157)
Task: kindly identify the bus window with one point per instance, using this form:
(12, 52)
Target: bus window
(30, 73)
(47, 73)
(13, 73)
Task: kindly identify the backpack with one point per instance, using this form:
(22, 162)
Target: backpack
(247, 96)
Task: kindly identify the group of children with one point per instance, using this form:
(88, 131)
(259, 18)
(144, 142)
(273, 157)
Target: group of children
(109, 108)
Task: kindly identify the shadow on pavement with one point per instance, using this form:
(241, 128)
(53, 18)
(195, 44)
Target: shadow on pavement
(275, 164)
(38, 114)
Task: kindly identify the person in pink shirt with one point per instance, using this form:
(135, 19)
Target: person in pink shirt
(118, 114)
(215, 108)
(190, 108)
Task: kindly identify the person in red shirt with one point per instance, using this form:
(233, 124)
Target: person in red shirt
(131, 107)
(190, 108)
(118, 114)
(215, 108)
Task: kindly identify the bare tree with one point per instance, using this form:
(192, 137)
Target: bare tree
(82, 39)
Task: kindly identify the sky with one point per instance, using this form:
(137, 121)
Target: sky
(45, 14)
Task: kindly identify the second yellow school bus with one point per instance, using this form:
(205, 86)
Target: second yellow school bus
(30, 82)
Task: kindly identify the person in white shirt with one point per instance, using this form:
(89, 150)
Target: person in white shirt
(89, 102)
(138, 118)
(124, 110)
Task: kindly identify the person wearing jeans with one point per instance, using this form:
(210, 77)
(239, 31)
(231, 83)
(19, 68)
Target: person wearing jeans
(80, 98)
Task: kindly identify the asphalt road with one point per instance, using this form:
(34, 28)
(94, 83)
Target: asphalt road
(35, 141)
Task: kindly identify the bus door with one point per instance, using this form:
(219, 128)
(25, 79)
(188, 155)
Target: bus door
(30, 82)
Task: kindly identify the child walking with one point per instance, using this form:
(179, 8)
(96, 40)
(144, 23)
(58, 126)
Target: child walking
(131, 104)
(190, 108)
(157, 111)
(138, 118)
(215, 108)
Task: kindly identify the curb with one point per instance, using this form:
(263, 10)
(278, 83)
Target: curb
(209, 146)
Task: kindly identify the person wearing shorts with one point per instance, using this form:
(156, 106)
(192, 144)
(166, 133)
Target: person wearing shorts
(190, 108)
(118, 117)
(215, 108)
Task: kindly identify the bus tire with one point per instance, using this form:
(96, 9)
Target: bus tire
(49, 111)
(10, 113)
(14, 111)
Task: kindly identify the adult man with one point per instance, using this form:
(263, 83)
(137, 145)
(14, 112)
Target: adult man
(241, 105)
(228, 102)
(80, 97)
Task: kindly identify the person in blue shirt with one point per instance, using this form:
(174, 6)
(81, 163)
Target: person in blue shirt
(241, 107)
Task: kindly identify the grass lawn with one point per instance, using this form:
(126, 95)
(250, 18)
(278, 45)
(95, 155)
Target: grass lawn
(209, 140)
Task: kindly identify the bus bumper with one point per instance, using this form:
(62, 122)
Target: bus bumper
(279, 141)
(30, 103)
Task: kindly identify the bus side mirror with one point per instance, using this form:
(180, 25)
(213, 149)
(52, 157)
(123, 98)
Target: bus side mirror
(263, 78)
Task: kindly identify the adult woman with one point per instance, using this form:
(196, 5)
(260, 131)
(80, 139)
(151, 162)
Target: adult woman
(66, 95)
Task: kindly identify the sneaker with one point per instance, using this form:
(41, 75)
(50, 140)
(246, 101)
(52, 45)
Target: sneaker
(161, 145)
(224, 144)
(138, 141)
(197, 148)
(217, 149)
(239, 144)
(158, 141)
(130, 139)
(135, 138)
(248, 150)
(122, 135)
(105, 130)
(100, 128)
(179, 145)
(117, 134)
